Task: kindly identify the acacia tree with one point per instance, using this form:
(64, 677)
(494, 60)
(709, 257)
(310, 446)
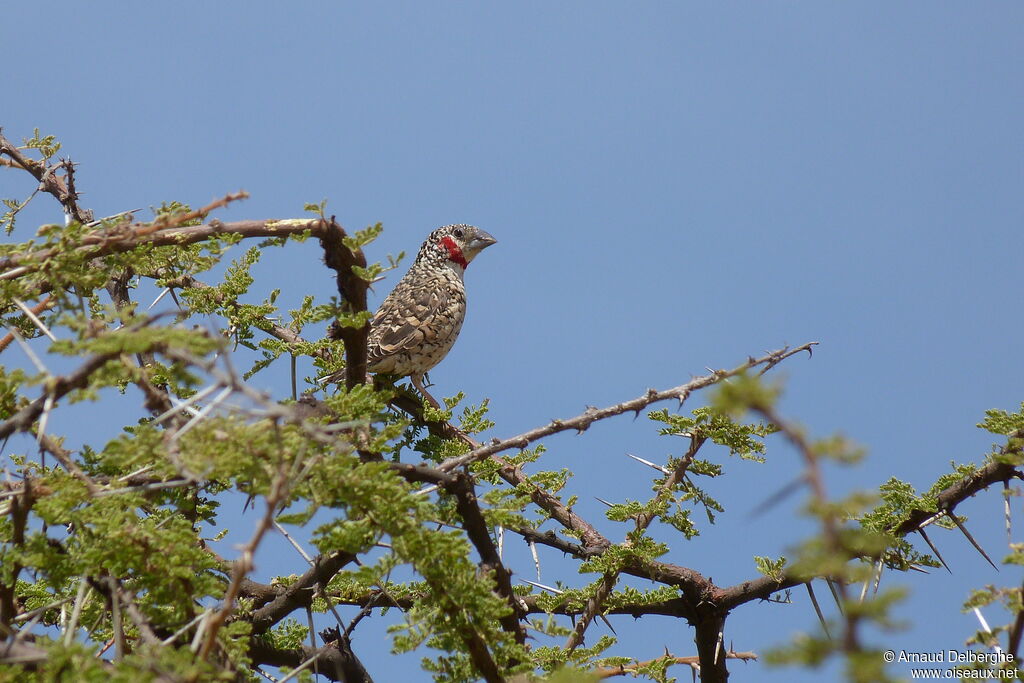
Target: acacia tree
(107, 569)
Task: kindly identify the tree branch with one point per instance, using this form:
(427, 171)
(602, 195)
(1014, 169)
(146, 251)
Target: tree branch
(947, 499)
(480, 536)
(335, 660)
(48, 179)
(56, 388)
(693, 662)
(352, 289)
(582, 422)
(243, 565)
(128, 238)
(298, 594)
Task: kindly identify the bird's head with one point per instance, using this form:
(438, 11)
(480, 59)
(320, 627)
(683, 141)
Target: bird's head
(456, 244)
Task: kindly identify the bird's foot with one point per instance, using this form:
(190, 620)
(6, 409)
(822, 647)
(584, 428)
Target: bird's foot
(417, 381)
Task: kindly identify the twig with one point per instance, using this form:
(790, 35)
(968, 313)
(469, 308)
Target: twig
(118, 592)
(57, 387)
(583, 421)
(594, 604)
(460, 485)
(63, 456)
(244, 564)
(693, 661)
(1016, 630)
(49, 181)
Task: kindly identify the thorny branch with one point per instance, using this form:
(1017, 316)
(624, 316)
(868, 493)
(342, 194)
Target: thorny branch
(702, 602)
(342, 259)
(693, 662)
(62, 189)
(244, 564)
(168, 234)
(582, 422)
(55, 389)
(946, 500)
(299, 594)
(479, 534)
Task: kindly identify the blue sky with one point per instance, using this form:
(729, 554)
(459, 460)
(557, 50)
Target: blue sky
(673, 186)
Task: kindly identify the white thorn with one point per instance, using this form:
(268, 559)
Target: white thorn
(47, 407)
(170, 639)
(1006, 509)
(167, 290)
(93, 224)
(663, 470)
(985, 626)
(34, 318)
(931, 520)
(183, 405)
(13, 273)
(202, 413)
(543, 587)
(295, 545)
(69, 634)
(141, 470)
(29, 352)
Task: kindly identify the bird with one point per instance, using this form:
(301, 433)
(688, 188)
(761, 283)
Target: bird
(419, 321)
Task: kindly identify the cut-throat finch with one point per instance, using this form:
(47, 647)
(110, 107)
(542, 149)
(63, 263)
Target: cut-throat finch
(419, 321)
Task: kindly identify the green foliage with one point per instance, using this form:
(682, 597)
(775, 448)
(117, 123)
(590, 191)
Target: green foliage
(47, 145)
(8, 218)
(744, 440)
(142, 510)
(318, 210)
(1004, 423)
(773, 569)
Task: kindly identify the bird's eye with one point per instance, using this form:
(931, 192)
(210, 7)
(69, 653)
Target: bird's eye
(457, 232)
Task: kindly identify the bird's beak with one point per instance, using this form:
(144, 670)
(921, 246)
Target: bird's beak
(481, 241)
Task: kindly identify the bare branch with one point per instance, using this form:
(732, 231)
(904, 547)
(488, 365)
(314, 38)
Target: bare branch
(55, 389)
(692, 661)
(162, 235)
(593, 607)
(479, 535)
(244, 564)
(299, 594)
(48, 179)
(583, 421)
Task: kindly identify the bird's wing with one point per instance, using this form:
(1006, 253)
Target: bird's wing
(406, 320)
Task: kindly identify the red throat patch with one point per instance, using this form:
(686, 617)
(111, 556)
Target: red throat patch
(454, 251)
